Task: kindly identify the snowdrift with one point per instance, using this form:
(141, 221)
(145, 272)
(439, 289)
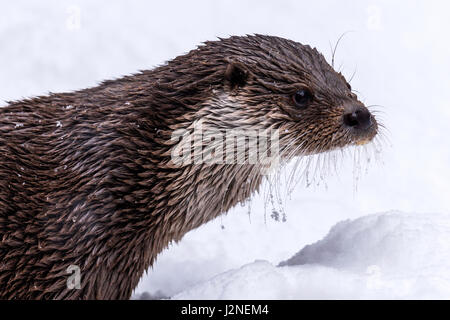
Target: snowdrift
(391, 255)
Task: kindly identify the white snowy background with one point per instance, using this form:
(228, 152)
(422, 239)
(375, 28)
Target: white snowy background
(388, 239)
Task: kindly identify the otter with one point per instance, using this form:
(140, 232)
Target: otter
(88, 179)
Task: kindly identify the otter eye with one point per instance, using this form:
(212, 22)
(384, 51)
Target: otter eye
(302, 98)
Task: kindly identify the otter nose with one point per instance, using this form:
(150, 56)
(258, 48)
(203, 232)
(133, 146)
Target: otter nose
(358, 118)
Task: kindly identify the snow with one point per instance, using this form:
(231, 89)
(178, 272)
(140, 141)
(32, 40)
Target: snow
(400, 54)
(391, 255)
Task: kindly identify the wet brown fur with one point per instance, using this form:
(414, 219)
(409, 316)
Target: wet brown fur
(87, 178)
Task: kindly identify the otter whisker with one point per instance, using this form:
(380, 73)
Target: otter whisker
(105, 178)
(353, 74)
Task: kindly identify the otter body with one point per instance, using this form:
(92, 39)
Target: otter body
(88, 180)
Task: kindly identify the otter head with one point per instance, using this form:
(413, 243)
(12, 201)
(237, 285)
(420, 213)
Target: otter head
(280, 84)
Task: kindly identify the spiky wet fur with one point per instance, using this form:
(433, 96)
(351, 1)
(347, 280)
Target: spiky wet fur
(87, 178)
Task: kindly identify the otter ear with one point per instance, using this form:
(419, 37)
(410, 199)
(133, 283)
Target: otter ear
(237, 74)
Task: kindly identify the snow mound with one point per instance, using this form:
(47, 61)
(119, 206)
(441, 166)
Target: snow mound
(391, 255)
